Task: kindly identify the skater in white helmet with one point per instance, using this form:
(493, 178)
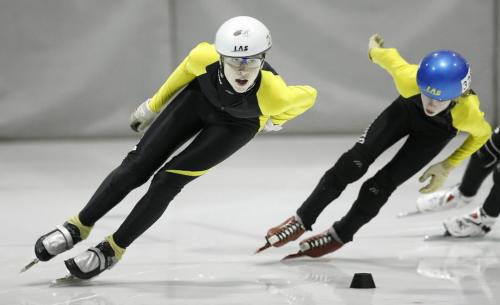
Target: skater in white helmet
(227, 92)
(480, 220)
(435, 102)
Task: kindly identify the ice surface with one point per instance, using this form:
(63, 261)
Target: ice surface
(201, 250)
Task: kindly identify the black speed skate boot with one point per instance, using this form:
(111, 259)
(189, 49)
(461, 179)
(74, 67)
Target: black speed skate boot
(95, 260)
(61, 239)
(57, 241)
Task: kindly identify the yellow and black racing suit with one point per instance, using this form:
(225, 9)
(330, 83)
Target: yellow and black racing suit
(206, 108)
(427, 136)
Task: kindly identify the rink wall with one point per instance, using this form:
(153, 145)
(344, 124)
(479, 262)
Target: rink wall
(72, 68)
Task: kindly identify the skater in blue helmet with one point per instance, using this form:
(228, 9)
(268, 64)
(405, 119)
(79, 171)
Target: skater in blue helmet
(435, 102)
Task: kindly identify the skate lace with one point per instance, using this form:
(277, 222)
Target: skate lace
(320, 241)
(289, 229)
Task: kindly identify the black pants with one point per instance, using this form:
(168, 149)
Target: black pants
(481, 164)
(219, 135)
(427, 136)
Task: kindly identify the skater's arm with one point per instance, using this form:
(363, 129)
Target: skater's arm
(282, 102)
(301, 99)
(404, 74)
(192, 66)
(469, 118)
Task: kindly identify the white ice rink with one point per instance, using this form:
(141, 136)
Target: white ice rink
(201, 250)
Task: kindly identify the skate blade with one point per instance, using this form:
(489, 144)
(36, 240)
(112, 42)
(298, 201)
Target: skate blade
(409, 213)
(267, 245)
(31, 264)
(66, 280)
(295, 255)
(444, 236)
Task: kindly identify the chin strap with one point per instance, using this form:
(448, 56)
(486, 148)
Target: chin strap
(222, 78)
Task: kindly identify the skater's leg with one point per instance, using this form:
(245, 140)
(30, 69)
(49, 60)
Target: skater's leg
(481, 164)
(417, 152)
(153, 149)
(491, 205)
(175, 125)
(389, 127)
(210, 147)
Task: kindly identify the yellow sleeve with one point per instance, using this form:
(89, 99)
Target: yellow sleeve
(192, 66)
(282, 102)
(301, 99)
(469, 118)
(403, 74)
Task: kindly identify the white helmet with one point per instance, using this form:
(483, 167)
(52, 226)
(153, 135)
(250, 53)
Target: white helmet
(242, 36)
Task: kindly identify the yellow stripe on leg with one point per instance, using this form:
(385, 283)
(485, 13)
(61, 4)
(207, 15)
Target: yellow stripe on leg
(187, 173)
(84, 230)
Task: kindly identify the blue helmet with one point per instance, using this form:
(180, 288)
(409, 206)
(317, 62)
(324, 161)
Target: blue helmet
(443, 75)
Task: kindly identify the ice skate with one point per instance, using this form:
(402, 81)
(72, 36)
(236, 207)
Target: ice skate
(437, 237)
(95, 260)
(57, 241)
(288, 231)
(475, 224)
(318, 245)
(66, 280)
(442, 200)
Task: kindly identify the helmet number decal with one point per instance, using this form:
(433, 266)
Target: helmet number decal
(466, 82)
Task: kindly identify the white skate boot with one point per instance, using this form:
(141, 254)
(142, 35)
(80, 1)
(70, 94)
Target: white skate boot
(474, 224)
(94, 261)
(442, 200)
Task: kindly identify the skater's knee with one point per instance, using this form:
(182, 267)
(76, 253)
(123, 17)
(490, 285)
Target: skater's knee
(174, 179)
(487, 156)
(129, 177)
(134, 170)
(351, 166)
(373, 194)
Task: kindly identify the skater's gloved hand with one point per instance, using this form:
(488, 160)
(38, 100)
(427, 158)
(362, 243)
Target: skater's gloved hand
(375, 41)
(142, 117)
(271, 127)
(438, 173)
